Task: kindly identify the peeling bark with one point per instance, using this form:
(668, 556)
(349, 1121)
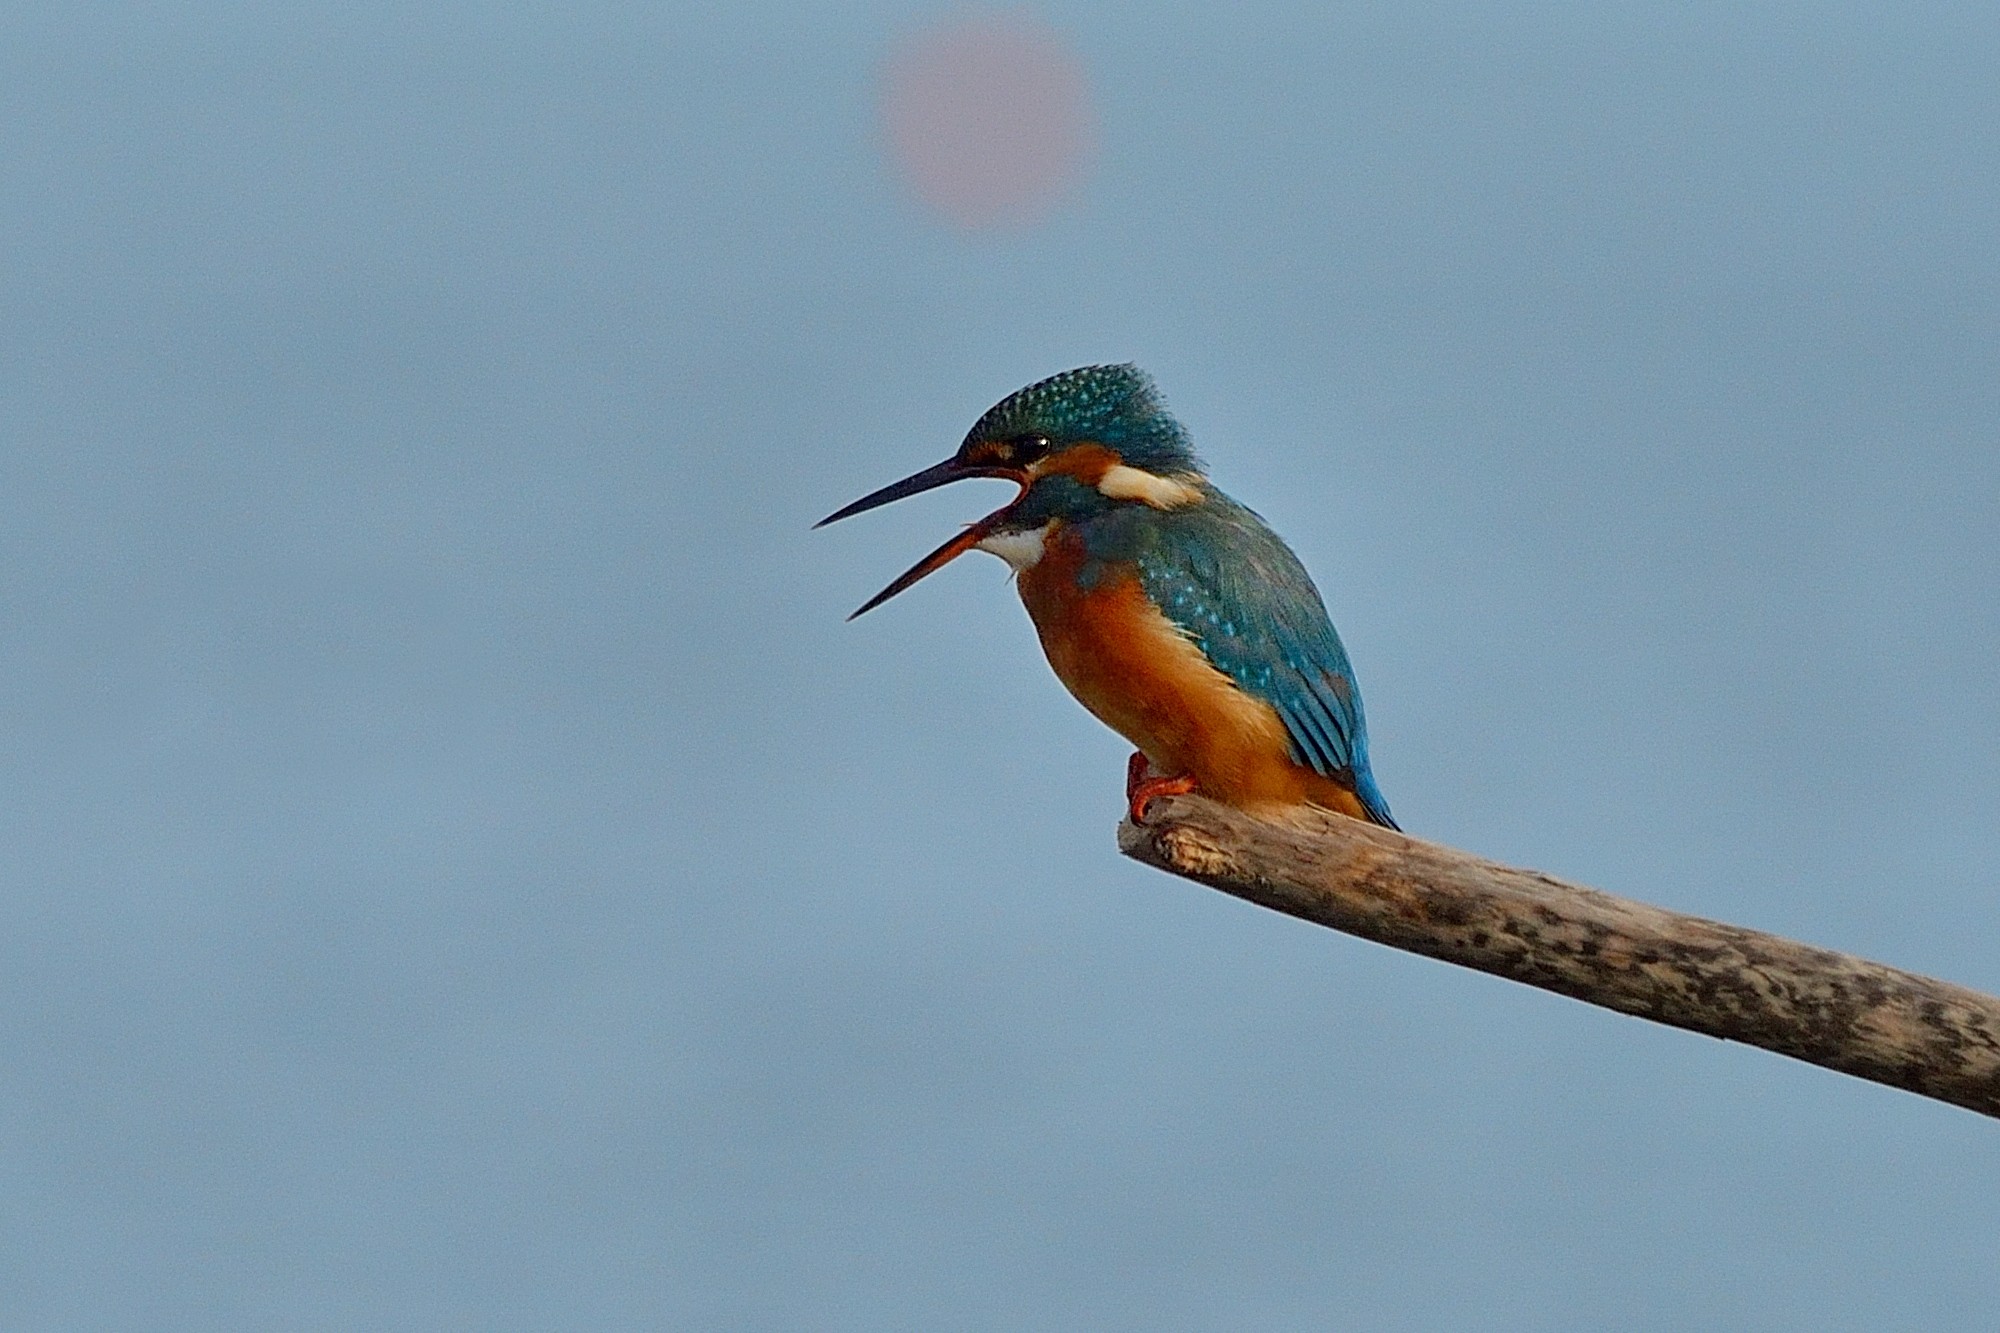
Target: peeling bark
(1830, 1009)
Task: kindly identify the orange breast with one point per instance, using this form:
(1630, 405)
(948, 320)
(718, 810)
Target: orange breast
(1128, 664)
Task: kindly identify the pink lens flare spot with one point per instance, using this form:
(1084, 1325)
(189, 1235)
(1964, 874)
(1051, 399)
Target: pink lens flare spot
(989, 118)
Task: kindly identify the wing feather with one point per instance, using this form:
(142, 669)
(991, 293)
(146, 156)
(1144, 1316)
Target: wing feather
(1227, 582)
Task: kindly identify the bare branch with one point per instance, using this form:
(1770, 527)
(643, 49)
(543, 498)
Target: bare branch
(1832, 1009)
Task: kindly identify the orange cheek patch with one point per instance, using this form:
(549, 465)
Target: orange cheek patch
(1086, 462)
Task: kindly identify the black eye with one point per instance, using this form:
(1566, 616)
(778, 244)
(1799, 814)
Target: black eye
(1027, 448)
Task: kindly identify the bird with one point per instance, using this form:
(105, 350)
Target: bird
(1172, 613)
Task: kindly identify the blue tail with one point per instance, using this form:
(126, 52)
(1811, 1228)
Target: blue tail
(1372, 800)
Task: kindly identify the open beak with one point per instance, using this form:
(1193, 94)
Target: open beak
(930, 479)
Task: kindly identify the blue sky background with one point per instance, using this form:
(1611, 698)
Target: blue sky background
(457, 870)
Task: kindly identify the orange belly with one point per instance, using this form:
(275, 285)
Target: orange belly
(1128, 664)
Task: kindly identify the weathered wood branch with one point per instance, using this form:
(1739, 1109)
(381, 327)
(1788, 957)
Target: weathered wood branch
(1832, 1009)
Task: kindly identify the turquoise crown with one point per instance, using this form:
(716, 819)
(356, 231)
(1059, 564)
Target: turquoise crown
(1116, 406)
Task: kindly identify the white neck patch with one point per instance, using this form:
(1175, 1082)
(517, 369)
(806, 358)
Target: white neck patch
(1121, 482)
(1019, 549)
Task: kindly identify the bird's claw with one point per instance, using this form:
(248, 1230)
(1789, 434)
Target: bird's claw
(1141, 787)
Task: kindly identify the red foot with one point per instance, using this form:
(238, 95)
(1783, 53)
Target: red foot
(1140, 788)
(1136, 769)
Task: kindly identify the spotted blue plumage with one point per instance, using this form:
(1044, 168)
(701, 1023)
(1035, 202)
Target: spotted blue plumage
(1255, 614)
(1115, 406)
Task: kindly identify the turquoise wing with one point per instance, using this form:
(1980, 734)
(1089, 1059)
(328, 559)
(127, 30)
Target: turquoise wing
(1232, 586)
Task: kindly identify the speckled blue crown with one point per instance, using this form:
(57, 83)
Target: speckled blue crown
(1116, 406)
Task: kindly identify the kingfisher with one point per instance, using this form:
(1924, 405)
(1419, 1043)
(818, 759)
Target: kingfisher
(1171, 612)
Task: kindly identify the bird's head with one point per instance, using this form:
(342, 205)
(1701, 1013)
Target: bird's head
(1076, 443)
